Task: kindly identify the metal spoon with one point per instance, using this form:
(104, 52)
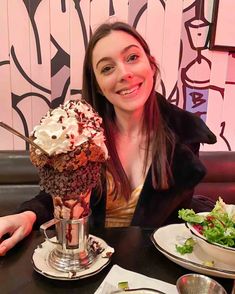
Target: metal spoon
(30, 141)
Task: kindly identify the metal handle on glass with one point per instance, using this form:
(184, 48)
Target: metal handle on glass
(47, 225)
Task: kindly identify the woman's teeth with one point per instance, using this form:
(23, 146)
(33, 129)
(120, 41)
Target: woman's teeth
(128, 91)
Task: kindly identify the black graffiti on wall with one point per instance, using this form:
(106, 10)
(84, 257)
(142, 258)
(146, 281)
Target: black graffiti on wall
(195, 92)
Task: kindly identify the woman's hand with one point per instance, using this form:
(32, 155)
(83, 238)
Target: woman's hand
(18, 226)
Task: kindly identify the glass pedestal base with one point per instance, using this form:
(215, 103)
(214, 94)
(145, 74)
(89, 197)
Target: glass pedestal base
(71, 260)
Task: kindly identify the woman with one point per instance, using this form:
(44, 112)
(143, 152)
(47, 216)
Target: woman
(153, 145)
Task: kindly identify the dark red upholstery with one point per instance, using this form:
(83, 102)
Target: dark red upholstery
(220, 178)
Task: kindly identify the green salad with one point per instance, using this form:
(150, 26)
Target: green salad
(218, 226)
(187, 247)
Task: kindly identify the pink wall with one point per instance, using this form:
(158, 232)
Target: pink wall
(43, 45)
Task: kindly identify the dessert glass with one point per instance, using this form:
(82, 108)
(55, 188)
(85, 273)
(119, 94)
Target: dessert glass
(73, 138)
(72, 252)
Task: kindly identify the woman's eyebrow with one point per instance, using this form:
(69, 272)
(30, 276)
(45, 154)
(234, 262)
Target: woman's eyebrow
(122, 52)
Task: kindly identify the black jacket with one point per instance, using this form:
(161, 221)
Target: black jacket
(155, 207)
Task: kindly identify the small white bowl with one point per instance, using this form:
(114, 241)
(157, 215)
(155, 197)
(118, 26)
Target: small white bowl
(220, 252)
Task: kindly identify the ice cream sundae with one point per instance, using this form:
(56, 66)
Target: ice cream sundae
(73, 137)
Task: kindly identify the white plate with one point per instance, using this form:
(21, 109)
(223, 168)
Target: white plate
(138, 291)
(41, 265)
(165, 240)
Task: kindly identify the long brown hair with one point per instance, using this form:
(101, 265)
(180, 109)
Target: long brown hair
(158, 136)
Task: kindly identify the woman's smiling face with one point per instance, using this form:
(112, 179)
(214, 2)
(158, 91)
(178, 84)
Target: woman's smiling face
(122, 71)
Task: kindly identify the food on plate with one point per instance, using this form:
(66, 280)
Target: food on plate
(123, 285)
(187, 247)
(217, 226)
(73, 137)
(209, 263)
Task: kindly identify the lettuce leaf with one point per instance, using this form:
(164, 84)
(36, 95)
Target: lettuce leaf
(190, 216)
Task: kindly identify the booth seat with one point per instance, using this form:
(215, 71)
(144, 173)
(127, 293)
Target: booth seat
(19, 178)
(220, 177)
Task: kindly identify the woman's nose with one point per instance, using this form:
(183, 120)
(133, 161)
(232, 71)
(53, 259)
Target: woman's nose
(125, 73)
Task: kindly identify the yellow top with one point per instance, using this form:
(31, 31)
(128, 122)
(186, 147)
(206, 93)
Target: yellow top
(119, 211)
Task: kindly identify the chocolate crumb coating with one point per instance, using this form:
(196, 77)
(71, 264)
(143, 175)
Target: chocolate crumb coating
(69, 183)
(75, 169)
(72, 160)
(69, 173)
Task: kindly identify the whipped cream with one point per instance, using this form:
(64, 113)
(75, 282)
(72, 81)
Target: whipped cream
(64, 128)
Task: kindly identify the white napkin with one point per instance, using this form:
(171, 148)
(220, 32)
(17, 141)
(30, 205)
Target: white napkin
(135, 280)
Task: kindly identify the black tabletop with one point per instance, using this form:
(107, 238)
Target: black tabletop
(133, 251)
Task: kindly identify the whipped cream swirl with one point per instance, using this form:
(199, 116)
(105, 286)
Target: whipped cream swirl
(64, 128)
